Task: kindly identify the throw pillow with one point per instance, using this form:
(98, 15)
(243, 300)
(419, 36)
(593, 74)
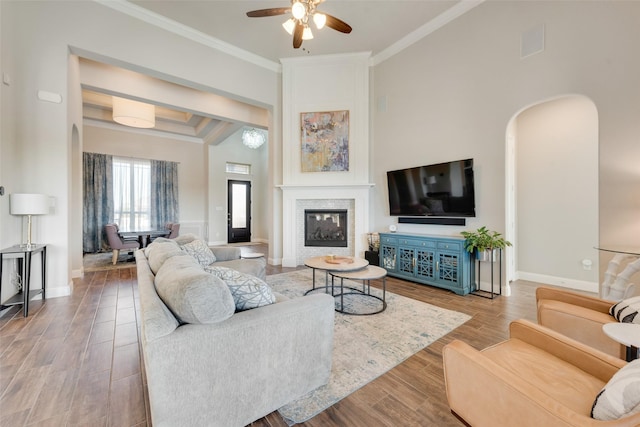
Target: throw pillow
(620, 397)
(626, 310)
(248, 291)
(200, 251)
(192, 294)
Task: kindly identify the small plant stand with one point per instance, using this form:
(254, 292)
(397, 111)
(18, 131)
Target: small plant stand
(489, 294)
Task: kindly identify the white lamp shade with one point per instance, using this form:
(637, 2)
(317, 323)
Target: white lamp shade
(29, 204)
(133, 113)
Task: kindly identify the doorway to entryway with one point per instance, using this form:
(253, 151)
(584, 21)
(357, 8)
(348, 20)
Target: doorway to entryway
(239, 211)
(552, 193)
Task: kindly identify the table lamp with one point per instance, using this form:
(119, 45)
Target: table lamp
(29, 204)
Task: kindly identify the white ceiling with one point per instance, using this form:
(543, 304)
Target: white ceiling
(382, 27)
(377, 24)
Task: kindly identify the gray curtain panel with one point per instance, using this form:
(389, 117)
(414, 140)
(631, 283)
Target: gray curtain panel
(97, 200)
(164, 193)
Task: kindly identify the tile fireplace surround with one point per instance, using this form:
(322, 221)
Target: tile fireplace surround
(295, 199)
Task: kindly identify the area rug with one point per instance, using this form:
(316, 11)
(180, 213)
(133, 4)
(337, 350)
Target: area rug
(365, 347)
(102, 261)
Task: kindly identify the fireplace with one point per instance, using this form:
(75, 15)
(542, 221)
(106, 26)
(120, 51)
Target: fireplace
(325, 227)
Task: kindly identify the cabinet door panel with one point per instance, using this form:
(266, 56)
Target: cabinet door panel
(425, 263)
(448, 267)
(389, 258)
(405, 260)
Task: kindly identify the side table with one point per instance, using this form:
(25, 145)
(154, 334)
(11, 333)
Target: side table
(627, 334)
(331, 264)
(252, 255)
(23, 253)
(366, 274)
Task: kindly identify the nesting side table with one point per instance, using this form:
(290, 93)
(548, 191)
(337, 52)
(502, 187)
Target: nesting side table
(23, 256)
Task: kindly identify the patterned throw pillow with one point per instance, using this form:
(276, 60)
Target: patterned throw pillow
(248, 291)
(200, 251)
(620, 397)
(626, 310)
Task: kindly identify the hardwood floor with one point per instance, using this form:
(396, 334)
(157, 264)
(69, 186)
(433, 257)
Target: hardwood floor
(76, 360)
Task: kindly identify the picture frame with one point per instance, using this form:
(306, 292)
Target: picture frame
(324, 141)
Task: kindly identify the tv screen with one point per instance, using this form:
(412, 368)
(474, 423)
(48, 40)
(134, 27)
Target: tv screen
(443, 189)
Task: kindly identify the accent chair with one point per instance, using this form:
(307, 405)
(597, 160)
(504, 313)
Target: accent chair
(174, 227)
(578, 316)
(539, 377)
(117, 243)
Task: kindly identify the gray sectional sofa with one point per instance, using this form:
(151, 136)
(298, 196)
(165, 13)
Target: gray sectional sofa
(208, 364)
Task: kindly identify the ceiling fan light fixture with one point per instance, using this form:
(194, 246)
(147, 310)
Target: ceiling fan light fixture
(289, 25)
(298, 10)
(319, 19)
(132, 113)
(306, 33)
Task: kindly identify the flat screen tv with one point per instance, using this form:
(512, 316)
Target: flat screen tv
(443, 189)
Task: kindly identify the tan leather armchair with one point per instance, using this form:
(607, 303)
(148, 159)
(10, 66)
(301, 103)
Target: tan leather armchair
(579, 317)
(537, 377)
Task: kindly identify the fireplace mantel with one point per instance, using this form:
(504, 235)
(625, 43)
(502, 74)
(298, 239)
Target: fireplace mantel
(358, 195)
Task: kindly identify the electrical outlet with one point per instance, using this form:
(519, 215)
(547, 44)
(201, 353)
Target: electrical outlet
(16, 281)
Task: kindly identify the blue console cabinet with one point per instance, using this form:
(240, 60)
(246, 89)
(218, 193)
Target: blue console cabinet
(440, 261)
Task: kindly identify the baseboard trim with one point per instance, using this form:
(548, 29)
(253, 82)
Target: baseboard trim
(563, 282)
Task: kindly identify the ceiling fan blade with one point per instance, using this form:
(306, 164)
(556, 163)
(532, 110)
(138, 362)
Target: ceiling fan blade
(274, 11)
(297, 35)
(337, 24)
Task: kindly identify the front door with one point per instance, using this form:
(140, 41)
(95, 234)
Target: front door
(239, 211)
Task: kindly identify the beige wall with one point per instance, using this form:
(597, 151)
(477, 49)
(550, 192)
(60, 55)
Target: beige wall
(452, 95)
(36, 40)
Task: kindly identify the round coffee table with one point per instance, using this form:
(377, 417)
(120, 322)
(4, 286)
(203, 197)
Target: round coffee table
(366, 274)
(331, 264)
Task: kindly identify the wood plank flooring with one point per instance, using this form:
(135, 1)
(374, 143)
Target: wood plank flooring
(76, 360)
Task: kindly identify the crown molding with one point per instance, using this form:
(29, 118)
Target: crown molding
(438, 22)
(177, 28)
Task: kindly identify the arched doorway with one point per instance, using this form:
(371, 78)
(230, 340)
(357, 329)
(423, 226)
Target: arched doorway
(552, 193)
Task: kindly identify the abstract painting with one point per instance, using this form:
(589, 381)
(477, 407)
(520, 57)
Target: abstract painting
(325, 141)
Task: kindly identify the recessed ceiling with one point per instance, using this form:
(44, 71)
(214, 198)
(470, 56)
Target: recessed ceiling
(377, 24)
(381, 27)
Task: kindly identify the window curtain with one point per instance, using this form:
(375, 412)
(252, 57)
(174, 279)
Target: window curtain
(97, 200)
(164, 193)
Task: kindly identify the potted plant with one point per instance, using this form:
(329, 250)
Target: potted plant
(483, 242)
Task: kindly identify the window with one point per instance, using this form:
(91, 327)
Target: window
(132, 193)
(239, 168)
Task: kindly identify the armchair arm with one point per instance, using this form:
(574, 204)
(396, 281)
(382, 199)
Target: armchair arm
(586, 301)
(586, 358)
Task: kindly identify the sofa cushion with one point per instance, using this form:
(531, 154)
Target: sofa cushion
(627, 310)
(248, 291)
(620, 397)
(192, 294)
(200, 251)
(158, 252)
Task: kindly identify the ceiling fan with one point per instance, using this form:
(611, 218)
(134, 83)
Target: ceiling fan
(301, 12)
